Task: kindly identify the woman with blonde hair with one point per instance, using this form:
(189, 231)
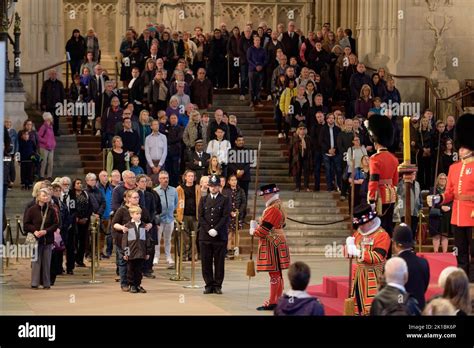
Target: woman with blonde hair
(439, 306)
(47, 145)
(440, 218)
(365, 101)
(424, 139)
(117, 159)
(92, 44)
(41, 221)
(214, 166)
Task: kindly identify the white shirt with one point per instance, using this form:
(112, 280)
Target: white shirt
(214, 195)
(220, 149)
(398, 286)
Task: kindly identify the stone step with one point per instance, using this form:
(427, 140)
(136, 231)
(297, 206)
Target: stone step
(316, 241)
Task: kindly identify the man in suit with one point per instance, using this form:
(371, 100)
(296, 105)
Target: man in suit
(331, 158)
(290, 41)
(198, 160)
(239, 163)
(136, 87)
(214, 218)
(394, 299)
(95, 91)
(418, 268)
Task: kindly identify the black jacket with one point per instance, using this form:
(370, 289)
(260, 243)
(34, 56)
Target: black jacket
(131, 141)
(240, 201)
(325, 139)
(76, 48)
(137, 240)
(136, 92)
(217, 51)
(387, 303)
(94, 93)
(315, 135)
(418, 276)
(244, 45)
(52, 92)
(175, 140)
(192, 162)
(33, 219)
(241, 162)
(214, 214)
(96, 199)
(290, 45)
(307, 306)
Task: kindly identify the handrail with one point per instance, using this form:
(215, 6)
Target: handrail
(42, 71)
(461, 94)
(428, 84)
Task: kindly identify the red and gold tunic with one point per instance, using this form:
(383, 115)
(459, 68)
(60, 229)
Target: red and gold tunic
(273, 251)
(383, 177)
(369, 268)
(460, 191)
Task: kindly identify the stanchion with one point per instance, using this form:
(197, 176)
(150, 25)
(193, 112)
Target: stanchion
(9, 239)
(193, 263)
(420, 230)
(176, 247)
(5, 263)
(93, 263)
(17, 238)
(228, 72)
(179, 261)
(97, 253)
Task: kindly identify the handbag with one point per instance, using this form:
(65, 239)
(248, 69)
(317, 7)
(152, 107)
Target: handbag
(30, 237)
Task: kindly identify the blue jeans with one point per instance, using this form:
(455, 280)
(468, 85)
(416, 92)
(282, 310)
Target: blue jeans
(244, 78)
(333, 167)
(122, 265)
(255, 80)
(318, 161)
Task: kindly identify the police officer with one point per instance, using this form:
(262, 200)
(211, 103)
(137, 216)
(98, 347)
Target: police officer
(214, 219)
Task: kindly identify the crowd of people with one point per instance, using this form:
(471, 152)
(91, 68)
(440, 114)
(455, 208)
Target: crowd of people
(163, 143)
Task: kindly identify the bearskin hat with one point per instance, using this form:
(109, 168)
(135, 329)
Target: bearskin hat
(464, 132)
(381, 130)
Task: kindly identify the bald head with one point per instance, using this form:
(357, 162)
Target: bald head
(396, 271)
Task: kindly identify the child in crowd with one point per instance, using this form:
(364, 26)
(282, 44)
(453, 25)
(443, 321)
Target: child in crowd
(135, 165)
(136, 244)
(27, 148)
(297, 301)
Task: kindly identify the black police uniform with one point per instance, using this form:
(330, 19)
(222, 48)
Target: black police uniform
(214, 213)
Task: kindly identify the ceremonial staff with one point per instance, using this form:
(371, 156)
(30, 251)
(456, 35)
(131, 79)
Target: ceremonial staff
(349, 301)
(251, 263)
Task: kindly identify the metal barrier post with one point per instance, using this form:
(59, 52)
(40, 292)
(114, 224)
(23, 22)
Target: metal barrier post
(93, 254)
(193, 263)
(179, 266)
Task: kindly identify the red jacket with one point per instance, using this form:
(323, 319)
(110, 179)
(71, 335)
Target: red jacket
(460, 191)
(383, 168)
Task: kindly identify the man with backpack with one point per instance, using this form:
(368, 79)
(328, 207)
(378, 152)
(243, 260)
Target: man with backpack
(393, 299)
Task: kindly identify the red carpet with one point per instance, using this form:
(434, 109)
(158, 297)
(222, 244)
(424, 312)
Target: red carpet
(334, 290)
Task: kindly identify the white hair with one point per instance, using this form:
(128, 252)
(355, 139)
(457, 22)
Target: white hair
(396, 270)
(445, 274)
(91, 176)
(47, 115)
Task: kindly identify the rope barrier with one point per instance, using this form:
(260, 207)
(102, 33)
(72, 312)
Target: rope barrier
(313, 223)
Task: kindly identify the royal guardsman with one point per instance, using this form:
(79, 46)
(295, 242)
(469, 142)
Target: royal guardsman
(214, 219)
(369, 245)
(383, 168)
(460, 191)
(273, 251)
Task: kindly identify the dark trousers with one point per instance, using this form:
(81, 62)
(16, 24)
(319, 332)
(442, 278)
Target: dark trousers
(463, 241)
(386, 219)
(134, 272)
(413, 225)
(317, 161)
(26, 173)
(278, 117)
(213, 253)
(172, 166)
(75, 67)
(71, 248)
(255, 80)
(332, 165)
(245, 186)
(148, 264)
(83, 123)
(234, 74)
(244, 79)
(303, 169)
(56, 265)
(218, 73)
(82, 241)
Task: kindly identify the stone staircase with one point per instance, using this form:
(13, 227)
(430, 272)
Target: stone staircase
(314, 208)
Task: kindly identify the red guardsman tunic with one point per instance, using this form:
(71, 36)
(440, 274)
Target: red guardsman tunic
(273, 252)
(460, 191)
(383, 168)
(374, 248)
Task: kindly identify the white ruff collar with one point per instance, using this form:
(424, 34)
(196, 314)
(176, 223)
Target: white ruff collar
(273, 199)
(375, 226)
